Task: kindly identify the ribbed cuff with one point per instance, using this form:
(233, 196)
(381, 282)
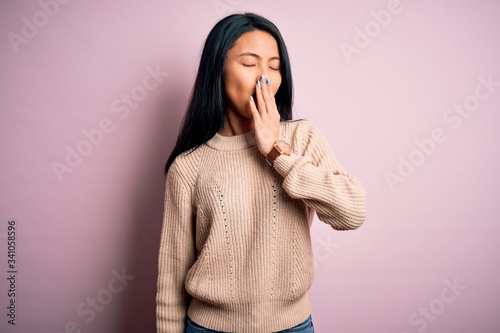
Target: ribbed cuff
(284, 164)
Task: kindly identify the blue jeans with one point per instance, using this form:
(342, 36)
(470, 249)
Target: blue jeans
(304, 327)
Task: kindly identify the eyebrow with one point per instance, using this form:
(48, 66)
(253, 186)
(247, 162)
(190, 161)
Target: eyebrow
(257, 56)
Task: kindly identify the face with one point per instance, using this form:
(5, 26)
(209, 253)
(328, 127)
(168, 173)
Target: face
(254, 53)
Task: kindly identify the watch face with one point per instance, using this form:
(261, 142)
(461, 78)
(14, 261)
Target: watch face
(285, 146)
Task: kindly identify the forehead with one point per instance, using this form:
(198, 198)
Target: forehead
(257, 41)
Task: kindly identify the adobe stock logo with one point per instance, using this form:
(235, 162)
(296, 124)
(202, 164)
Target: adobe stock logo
(455, 116)
(381, 19)
(323, 249)
(89, 308)
(224, 7)
(123, 108)
(30, 28)
(425, 315)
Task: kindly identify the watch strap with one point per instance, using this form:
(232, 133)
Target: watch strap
(272, 156)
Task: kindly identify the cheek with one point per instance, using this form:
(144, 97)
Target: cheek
(238, 89)
(276, 83)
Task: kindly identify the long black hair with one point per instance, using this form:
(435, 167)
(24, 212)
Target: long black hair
(208, 102)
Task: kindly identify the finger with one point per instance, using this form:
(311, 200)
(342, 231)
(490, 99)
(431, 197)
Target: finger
(266, 93)
(269, 100)
(253, 108)
(271, 91)
(260, 99)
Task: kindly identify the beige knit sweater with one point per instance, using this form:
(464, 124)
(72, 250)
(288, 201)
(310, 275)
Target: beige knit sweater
(235, 251)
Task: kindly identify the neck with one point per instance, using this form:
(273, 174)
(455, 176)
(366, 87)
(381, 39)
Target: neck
(235, 124)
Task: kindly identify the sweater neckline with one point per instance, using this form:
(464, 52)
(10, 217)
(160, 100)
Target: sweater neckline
(234, 142)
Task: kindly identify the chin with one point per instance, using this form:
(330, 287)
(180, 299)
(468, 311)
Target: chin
(245, 113)
(242, 111)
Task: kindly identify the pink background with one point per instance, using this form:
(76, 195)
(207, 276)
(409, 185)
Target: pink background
(436, 228)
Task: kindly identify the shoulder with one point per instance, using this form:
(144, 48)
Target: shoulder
(302, 126)
(299, 132)
(186, 165)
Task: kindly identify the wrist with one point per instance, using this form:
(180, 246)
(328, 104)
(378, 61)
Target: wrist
(279, 148)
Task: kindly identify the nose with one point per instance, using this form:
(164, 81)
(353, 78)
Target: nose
(263, 70)
(264, 74)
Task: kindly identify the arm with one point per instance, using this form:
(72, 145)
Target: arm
(177, 254)
(315, 176)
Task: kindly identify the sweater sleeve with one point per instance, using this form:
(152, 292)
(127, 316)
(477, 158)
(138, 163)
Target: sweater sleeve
(177, 254)
(314, 175)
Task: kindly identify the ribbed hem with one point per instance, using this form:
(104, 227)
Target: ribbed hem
(235, 142)
(250, 317)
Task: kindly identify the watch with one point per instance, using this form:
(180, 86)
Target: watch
(280, 148)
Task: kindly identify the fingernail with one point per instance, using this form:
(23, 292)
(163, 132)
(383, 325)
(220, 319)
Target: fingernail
(263, 79)
(258, 84)
(251, 99)
(268, 81)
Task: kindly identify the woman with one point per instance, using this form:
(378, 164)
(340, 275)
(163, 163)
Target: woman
(243, 184)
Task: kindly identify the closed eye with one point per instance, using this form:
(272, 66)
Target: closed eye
(248, 65)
